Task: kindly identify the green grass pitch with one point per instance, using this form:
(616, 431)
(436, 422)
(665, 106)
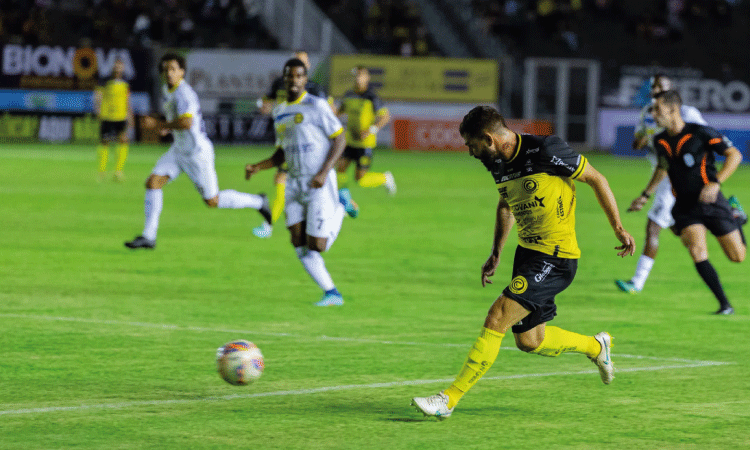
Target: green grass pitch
(102, 347)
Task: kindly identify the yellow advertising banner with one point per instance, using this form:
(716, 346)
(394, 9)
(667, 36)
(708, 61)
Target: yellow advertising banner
(420, 79)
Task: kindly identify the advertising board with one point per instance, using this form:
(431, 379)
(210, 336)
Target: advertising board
(428, 79)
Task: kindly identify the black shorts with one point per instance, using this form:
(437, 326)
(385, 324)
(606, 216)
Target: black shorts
(361, 156)
(112, 130)
(717, 217)
(537, 279)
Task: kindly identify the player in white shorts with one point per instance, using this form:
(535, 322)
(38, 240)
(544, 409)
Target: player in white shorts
(309, 137)
(660, 214)
(192, 153)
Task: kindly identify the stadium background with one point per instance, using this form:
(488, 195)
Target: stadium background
(574, 67)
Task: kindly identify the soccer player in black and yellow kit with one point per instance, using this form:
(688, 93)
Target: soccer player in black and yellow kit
(112, 102)
(686, 155)
(534, 176)
(366, 115)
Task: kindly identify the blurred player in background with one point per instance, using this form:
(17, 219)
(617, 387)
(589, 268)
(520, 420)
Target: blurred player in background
(192, 153)
(535, 178)
(310, 139)
(686, 156)
(277, 94)
(112, 105)
(660, 214)
(366, 115)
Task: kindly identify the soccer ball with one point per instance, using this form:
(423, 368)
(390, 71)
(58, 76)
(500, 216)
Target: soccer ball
(239, 362)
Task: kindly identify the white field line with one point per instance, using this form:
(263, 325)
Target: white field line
(346, 387)
(248, 333)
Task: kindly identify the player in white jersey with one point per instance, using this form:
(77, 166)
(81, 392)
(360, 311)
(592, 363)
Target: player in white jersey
(310, 139)
(660, 214)
(192, 153)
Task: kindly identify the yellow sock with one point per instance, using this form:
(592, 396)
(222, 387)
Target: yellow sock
(103, 152)
(372, 179)
(122, 155)
(480, 359)
(278, 202)
(342, 178)
(557, 341)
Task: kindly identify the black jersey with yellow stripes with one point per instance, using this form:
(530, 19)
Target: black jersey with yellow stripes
(537, 183)
(361, 109)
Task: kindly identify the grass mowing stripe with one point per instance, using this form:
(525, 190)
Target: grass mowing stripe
(173, 327)
(346, 387)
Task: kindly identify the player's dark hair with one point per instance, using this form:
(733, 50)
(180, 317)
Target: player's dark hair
(662, 79)
(670, 97)
(479, 120)
(172, 57)
(295, 62)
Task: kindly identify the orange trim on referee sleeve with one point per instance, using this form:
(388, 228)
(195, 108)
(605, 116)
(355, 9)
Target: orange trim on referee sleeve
(682, 142)
(703, 170)
(666, 146)
(714, 141)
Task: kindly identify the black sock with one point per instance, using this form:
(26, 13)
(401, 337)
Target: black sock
(711, 278)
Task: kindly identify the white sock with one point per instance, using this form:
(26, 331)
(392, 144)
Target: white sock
(316, 267)
(152, 208)
(641, 271)
(229, 198)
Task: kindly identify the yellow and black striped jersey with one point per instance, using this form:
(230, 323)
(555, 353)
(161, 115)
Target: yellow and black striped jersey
(114, 101)
(537, 183)
(361, 109)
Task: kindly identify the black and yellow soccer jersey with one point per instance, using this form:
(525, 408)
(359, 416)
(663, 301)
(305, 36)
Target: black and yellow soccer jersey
(537, 183)
(114, 104)
(361, 110)
(278, 92)
(689, 158)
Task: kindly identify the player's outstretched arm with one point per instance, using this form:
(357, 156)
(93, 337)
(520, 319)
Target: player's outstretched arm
(503, 224)
(606, 199)
(275, 160)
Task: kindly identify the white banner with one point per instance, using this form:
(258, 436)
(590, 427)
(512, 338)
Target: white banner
(234, 74)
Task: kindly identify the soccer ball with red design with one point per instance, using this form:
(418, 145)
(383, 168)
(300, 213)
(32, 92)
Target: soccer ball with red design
(239, 362)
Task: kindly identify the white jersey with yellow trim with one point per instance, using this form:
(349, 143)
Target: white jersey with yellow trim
(304, 129)
(182, 101)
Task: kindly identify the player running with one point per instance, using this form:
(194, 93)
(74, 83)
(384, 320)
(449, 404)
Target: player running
(366, 115)
(686, 156)
(534, 176)
(660, 214)
(277, 94)
(192, 152)
(310, 139)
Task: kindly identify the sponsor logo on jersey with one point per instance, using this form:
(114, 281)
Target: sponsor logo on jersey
(510, 176)
(539, 200)
(689, 160)
(559, 162)
(518, 285)
(560, 208)
(545, 271)
(298, 118)
(528, 205)
(503, 191)
(532, 150)
(530, 186)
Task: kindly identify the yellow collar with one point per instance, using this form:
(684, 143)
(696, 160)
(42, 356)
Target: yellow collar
(170, 90)
(299, 99)
(518, 148)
